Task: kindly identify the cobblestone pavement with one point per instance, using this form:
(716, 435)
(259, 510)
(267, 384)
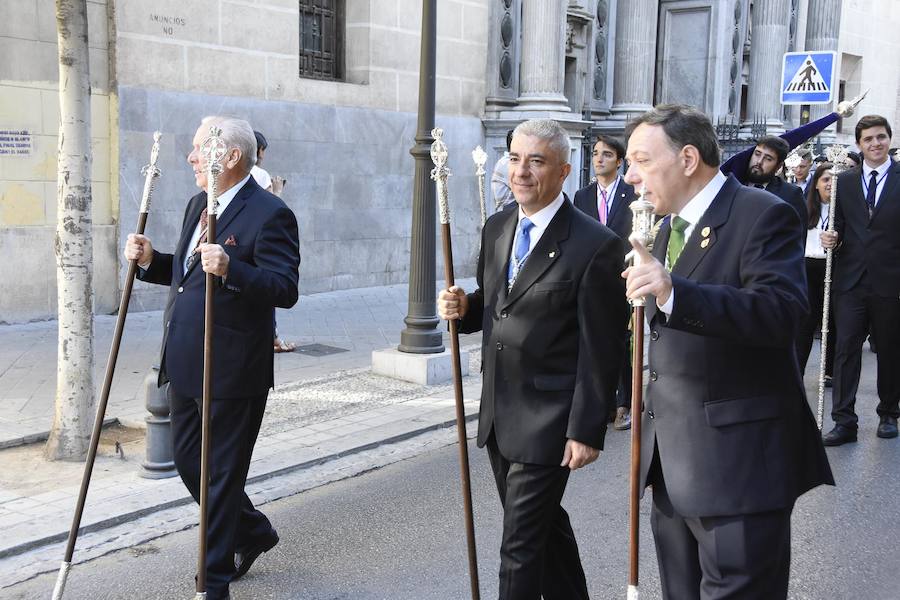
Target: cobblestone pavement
(355, 321)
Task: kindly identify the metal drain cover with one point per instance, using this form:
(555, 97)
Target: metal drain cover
(318, 350)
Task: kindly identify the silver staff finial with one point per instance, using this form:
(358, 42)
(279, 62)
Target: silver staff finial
(846, 108)
(440, 172)
(213, 149)
(479, 157)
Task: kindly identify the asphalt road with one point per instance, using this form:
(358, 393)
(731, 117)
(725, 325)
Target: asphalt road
(396, 533)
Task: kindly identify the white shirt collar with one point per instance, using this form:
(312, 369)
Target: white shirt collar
(228, 195)
(543, 217)
(880, 169)
(696, 206)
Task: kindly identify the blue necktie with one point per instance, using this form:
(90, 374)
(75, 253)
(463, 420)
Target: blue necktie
(870, 195)
(522, 245)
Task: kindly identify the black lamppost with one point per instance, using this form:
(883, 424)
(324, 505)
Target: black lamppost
(421, 335)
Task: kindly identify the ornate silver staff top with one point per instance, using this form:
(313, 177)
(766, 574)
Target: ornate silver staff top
(837, 156)
(440, 172)
(845, 108)
(793, 159)
(150, 173)
(641, 228)
(479, 157)
(213, 150)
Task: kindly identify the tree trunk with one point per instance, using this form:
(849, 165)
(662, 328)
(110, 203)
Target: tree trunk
(74, 405)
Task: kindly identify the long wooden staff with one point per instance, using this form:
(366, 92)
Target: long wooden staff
(213, 150)
(150, 172)
(642, 225)
(838, 156)
(440, 174)
(479, 157)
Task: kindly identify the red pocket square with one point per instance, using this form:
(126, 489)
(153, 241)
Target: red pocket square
(231, 241)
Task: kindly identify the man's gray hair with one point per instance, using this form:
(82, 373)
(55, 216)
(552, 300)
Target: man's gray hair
(236, 133)
(550, 130)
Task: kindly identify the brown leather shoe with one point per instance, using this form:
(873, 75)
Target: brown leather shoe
(623, 419)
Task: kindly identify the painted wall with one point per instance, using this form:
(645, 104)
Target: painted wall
(29, 107)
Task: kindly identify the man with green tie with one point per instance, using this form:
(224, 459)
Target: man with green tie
(728, 442)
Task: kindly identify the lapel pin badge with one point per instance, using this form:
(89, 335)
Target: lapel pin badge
(704, 243)
(552, 254)
(705, 232)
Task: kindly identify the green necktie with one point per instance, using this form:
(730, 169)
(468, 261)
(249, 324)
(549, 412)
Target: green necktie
(676, 240)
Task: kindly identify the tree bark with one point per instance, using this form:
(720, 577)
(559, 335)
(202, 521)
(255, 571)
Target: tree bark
(74, 403)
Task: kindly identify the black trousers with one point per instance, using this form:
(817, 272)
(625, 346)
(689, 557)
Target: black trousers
(855, 311)
(623, 393)
(233, 523)
(815, 277)
(741, 557)
(538, 553)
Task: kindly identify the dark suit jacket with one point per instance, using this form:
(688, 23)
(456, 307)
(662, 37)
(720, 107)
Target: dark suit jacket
(725, 407)
(262, 274)
(619, 218)
(793, 195)
(868, 246)
(553, 345)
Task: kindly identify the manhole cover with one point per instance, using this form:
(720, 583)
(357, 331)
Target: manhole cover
(318, 350)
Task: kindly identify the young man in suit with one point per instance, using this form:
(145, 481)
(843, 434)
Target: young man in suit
(729, 441)
(553, 317)
(255, 261)
(765, 162)
(866, 280)
(608, 200)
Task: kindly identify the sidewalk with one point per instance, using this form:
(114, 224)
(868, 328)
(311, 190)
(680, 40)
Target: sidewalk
(355, 321)
(323, 410)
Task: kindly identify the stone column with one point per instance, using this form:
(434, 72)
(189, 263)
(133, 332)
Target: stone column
(768, 43)
(542, 74)
(823, 24)
(635, 60)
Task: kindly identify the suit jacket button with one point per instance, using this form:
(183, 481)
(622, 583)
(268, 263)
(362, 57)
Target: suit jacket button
(180, 289)
(499, 346)
(650, 414)
(654, 335)
(653, 376)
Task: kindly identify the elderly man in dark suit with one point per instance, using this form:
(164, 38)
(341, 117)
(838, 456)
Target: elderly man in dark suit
(867, 280)
(608, 200)
(256, 264)
(553, 315)
(729, 442)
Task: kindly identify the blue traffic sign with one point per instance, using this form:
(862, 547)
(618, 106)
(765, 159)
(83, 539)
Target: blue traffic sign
(807, 78)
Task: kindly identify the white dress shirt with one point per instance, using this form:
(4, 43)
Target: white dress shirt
(541, 220)
(881, 171)
(224, 199)
(610, 196)
(261, 176)
(814, 247)
(692, 213)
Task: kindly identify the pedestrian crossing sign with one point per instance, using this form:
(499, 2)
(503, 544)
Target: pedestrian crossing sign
(807, 78)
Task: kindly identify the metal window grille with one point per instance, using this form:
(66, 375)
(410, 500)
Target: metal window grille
(322, 39)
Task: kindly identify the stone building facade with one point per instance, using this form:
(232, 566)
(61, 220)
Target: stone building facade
(343, 144)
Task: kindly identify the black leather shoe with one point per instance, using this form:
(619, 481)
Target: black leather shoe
(838, 436)
(244, 560)
(887, 428)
